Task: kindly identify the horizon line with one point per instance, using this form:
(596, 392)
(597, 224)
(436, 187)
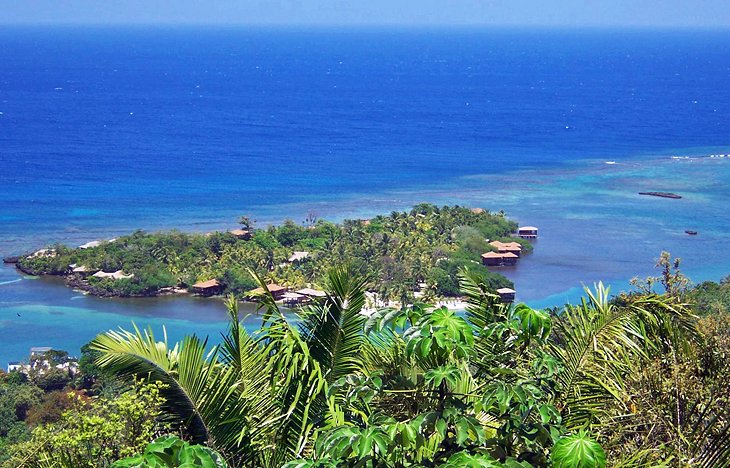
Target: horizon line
(363, 25)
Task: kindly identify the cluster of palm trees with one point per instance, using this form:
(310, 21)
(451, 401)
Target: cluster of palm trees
(336, 385)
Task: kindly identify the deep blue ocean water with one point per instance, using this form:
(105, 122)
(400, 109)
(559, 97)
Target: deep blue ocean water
(103, 131)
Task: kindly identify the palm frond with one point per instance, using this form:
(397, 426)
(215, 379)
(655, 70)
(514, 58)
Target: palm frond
(333, 328)
(594, 343)
(196, 387)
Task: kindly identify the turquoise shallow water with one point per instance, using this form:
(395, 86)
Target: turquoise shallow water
(593, 227)
(43, 310)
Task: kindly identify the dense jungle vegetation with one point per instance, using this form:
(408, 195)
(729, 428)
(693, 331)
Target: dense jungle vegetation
(402, 251)
(640, 379)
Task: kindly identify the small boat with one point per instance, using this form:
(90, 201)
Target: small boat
(691, 233)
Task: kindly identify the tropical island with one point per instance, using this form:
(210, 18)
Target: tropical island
(409, 254)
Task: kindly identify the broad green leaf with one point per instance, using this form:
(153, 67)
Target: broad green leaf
(578, 451)
(534, 324)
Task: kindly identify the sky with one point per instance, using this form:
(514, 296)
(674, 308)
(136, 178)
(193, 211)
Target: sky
(571, 13)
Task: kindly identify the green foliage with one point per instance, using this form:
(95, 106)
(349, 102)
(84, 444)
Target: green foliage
(439, 335)
(92, 378)
(51, 379)
(710, 298)
(674, 282)
(445, 277)
(578, 451)
(466, 459)
(289, 234)
(94, 432)
(684, 398)
(501, 385)
(634, 381)
(172, 452)
(238, 280)
(15, 402)
(50, 409)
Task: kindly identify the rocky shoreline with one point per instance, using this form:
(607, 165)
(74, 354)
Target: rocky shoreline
(80, 283)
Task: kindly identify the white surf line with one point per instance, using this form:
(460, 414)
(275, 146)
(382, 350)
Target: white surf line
(11, 281)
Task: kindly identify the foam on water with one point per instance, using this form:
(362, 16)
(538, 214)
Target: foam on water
(2, 283)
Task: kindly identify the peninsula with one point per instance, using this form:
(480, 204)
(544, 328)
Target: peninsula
(416, 253)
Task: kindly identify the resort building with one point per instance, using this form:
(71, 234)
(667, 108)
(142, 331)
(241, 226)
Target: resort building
(312, 293)
(79, 270)
(43, 253)
(244, 234)
(39, 350)
(477, 210)
(293, 299)
(509, 259)
(207, 288)
(276, 290)
(492, 259)
(119, 274)
(527, 232)
(302, 296)
(509, 247)
(41, 363)
(298, 257)
(90, 245)
(506, 294)
(514, 249)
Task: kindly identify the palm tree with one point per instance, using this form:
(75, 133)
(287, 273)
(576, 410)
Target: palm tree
(255, 398)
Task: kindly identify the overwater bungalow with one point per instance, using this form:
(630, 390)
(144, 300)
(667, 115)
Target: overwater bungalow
(276, 290)
(507, 247)
(509, 259)
(293, 299)
(492, 259)
(311, 293)
(207, 288)
(515, 249)
(527, 232)
(506, 294)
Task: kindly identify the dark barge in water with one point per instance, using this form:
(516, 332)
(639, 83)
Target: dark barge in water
(662, 194)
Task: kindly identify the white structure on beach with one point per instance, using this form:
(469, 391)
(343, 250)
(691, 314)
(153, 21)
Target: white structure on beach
(119, 274)
(298, 256)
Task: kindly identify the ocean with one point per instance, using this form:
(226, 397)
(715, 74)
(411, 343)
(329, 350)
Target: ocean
(107, 130)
